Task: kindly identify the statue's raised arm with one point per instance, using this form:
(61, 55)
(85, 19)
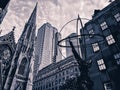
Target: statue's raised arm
(76, 55)
(84, 80)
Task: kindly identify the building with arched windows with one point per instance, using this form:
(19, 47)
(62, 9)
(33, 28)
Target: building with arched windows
(18, 76)
(7, 49)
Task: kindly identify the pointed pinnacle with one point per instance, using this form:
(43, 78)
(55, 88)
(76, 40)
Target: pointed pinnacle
(78, 17)
(36, 3)
(13, 28)
(32, 18)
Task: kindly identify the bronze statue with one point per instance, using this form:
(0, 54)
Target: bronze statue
(84, 82)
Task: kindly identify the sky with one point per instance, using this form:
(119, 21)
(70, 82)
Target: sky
(56, 12)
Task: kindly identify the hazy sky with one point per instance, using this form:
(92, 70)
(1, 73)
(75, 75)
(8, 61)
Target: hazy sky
(56, 12)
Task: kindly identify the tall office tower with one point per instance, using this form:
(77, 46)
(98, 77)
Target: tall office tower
(103, 47)
(21, 62)
(3, 9)
(46, 51)
(56, 49)
(74, 40)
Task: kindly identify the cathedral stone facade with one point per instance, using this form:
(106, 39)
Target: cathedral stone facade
(20, 55)
(7, 49)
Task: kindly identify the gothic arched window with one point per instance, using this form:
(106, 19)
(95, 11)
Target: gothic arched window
(22, 66)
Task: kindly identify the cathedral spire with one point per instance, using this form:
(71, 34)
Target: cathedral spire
(31, 23)
(22, 57)
(32, 18)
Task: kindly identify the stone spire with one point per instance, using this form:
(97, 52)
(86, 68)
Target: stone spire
(19, 71)
(32, 18)
(31, 23)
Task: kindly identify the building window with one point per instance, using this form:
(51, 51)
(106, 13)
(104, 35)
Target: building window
(104, 25)
(67, 72)
(63, 73)
(117, 58)
(117, 17)
(76, 70)
(108, 86)
(101, 65)
(22, 67)
(91, 32)
(95, 47)
(0, 10)
(110, 39)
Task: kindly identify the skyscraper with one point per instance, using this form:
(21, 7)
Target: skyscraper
(46, 50)
(21, 62)
(3, 8)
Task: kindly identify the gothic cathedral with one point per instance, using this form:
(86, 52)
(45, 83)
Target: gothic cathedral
(17, 77)
(7, 49)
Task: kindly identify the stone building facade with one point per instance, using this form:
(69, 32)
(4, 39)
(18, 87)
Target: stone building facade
(54, 75)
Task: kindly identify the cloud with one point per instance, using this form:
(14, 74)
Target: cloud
(57, 12)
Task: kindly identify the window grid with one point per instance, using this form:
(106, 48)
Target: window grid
(117, 17)
(101, 64)
(91, 32)
(108, 86)
(95, 47)
(104, 25)
(117, 58)
(110, 39)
